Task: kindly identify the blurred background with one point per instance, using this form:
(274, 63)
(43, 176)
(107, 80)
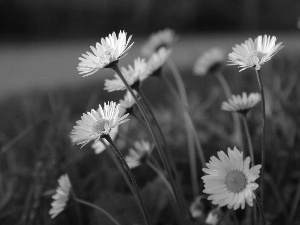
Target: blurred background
(42, 40)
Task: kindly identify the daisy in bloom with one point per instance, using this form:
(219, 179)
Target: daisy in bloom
(164, 38)
(139, 154)
(127, 103)
(99, 147)
(133, 75)
(229, 180)
(94, 124)
(157, 60)
(61, 196)
(110, 50)
(254, 53)
(241, 103)
(210, 62)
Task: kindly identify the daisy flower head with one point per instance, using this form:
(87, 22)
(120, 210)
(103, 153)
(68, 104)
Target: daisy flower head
(210, 62)
(133, 75)
(95, 124)
(99, 146)
(254, 53)
(241, 103)
(157, 60)
(229, 180)
(139, 154)
(127, 103)
(161, 39)
(105, 54)
(61, 196)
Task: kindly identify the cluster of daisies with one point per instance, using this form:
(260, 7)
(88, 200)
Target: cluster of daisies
(229, 179)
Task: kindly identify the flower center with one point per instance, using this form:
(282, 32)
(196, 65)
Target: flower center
(235, 181)
(258, 54)
(99, 126)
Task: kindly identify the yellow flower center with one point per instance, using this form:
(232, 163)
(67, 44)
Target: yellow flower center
(258, 54)
(235, 181)
(99, 126)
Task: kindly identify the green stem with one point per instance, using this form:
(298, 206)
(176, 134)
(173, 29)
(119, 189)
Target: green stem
(161, 175)
(261, 209)
(236, 121)
(161, 154)
(250, 147)
(263, 136)
(133, 181)
(295, 204)
(98, 209)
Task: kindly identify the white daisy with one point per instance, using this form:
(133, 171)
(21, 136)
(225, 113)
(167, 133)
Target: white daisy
(214, 216)
(133, 76)
(157, 60)
(197, 208)
(111, 50)
(61, 196)
(94, 124)
(163, 38)
(210, 62)
(230, 181)
(254, 54)
(127, 103)
(139, 154)
(241, 103)
(99, 147)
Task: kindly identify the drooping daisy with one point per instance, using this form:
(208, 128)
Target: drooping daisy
(127, 103)
(61, 196)
(133, 76)
(139, 154)
(197, 207)
(210, 62)
(162, 39)
(229, 180)
(94, 124)
(157, 60)
(109, 51)
(99, 146)
(241, 103)
(254, 54)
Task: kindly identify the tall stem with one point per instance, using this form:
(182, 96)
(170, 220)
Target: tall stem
(236, 121)
(261, 209)
(98, 209)
(263, 136)
(248, 139)
(161, 154)
(133, 181)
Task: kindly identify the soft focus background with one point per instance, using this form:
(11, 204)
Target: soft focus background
(42, 94)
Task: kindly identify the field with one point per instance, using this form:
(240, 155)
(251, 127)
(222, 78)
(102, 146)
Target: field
(42, 95)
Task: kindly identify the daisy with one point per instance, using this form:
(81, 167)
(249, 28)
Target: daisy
(109, 51)
(197, 208)
(254, 54)
(99, 146)
(94, 124)
(157, 60)
(61, 196)
(241, 103)
(133, 76)
(230, 181)
(210, 62)
(164, 38)
(139, 154)
(214, 216)
(127, 103)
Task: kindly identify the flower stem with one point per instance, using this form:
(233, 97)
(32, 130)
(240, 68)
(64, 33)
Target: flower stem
(161, 175)
(236, 121)
(295, 204)
(98, 209)
(263, 136)
(250, 146)
(133, 181)
(261, 210)
(161, 154)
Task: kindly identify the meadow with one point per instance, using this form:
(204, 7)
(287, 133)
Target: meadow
(42, 96)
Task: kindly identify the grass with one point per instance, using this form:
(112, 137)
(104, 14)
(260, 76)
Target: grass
(36, 148)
